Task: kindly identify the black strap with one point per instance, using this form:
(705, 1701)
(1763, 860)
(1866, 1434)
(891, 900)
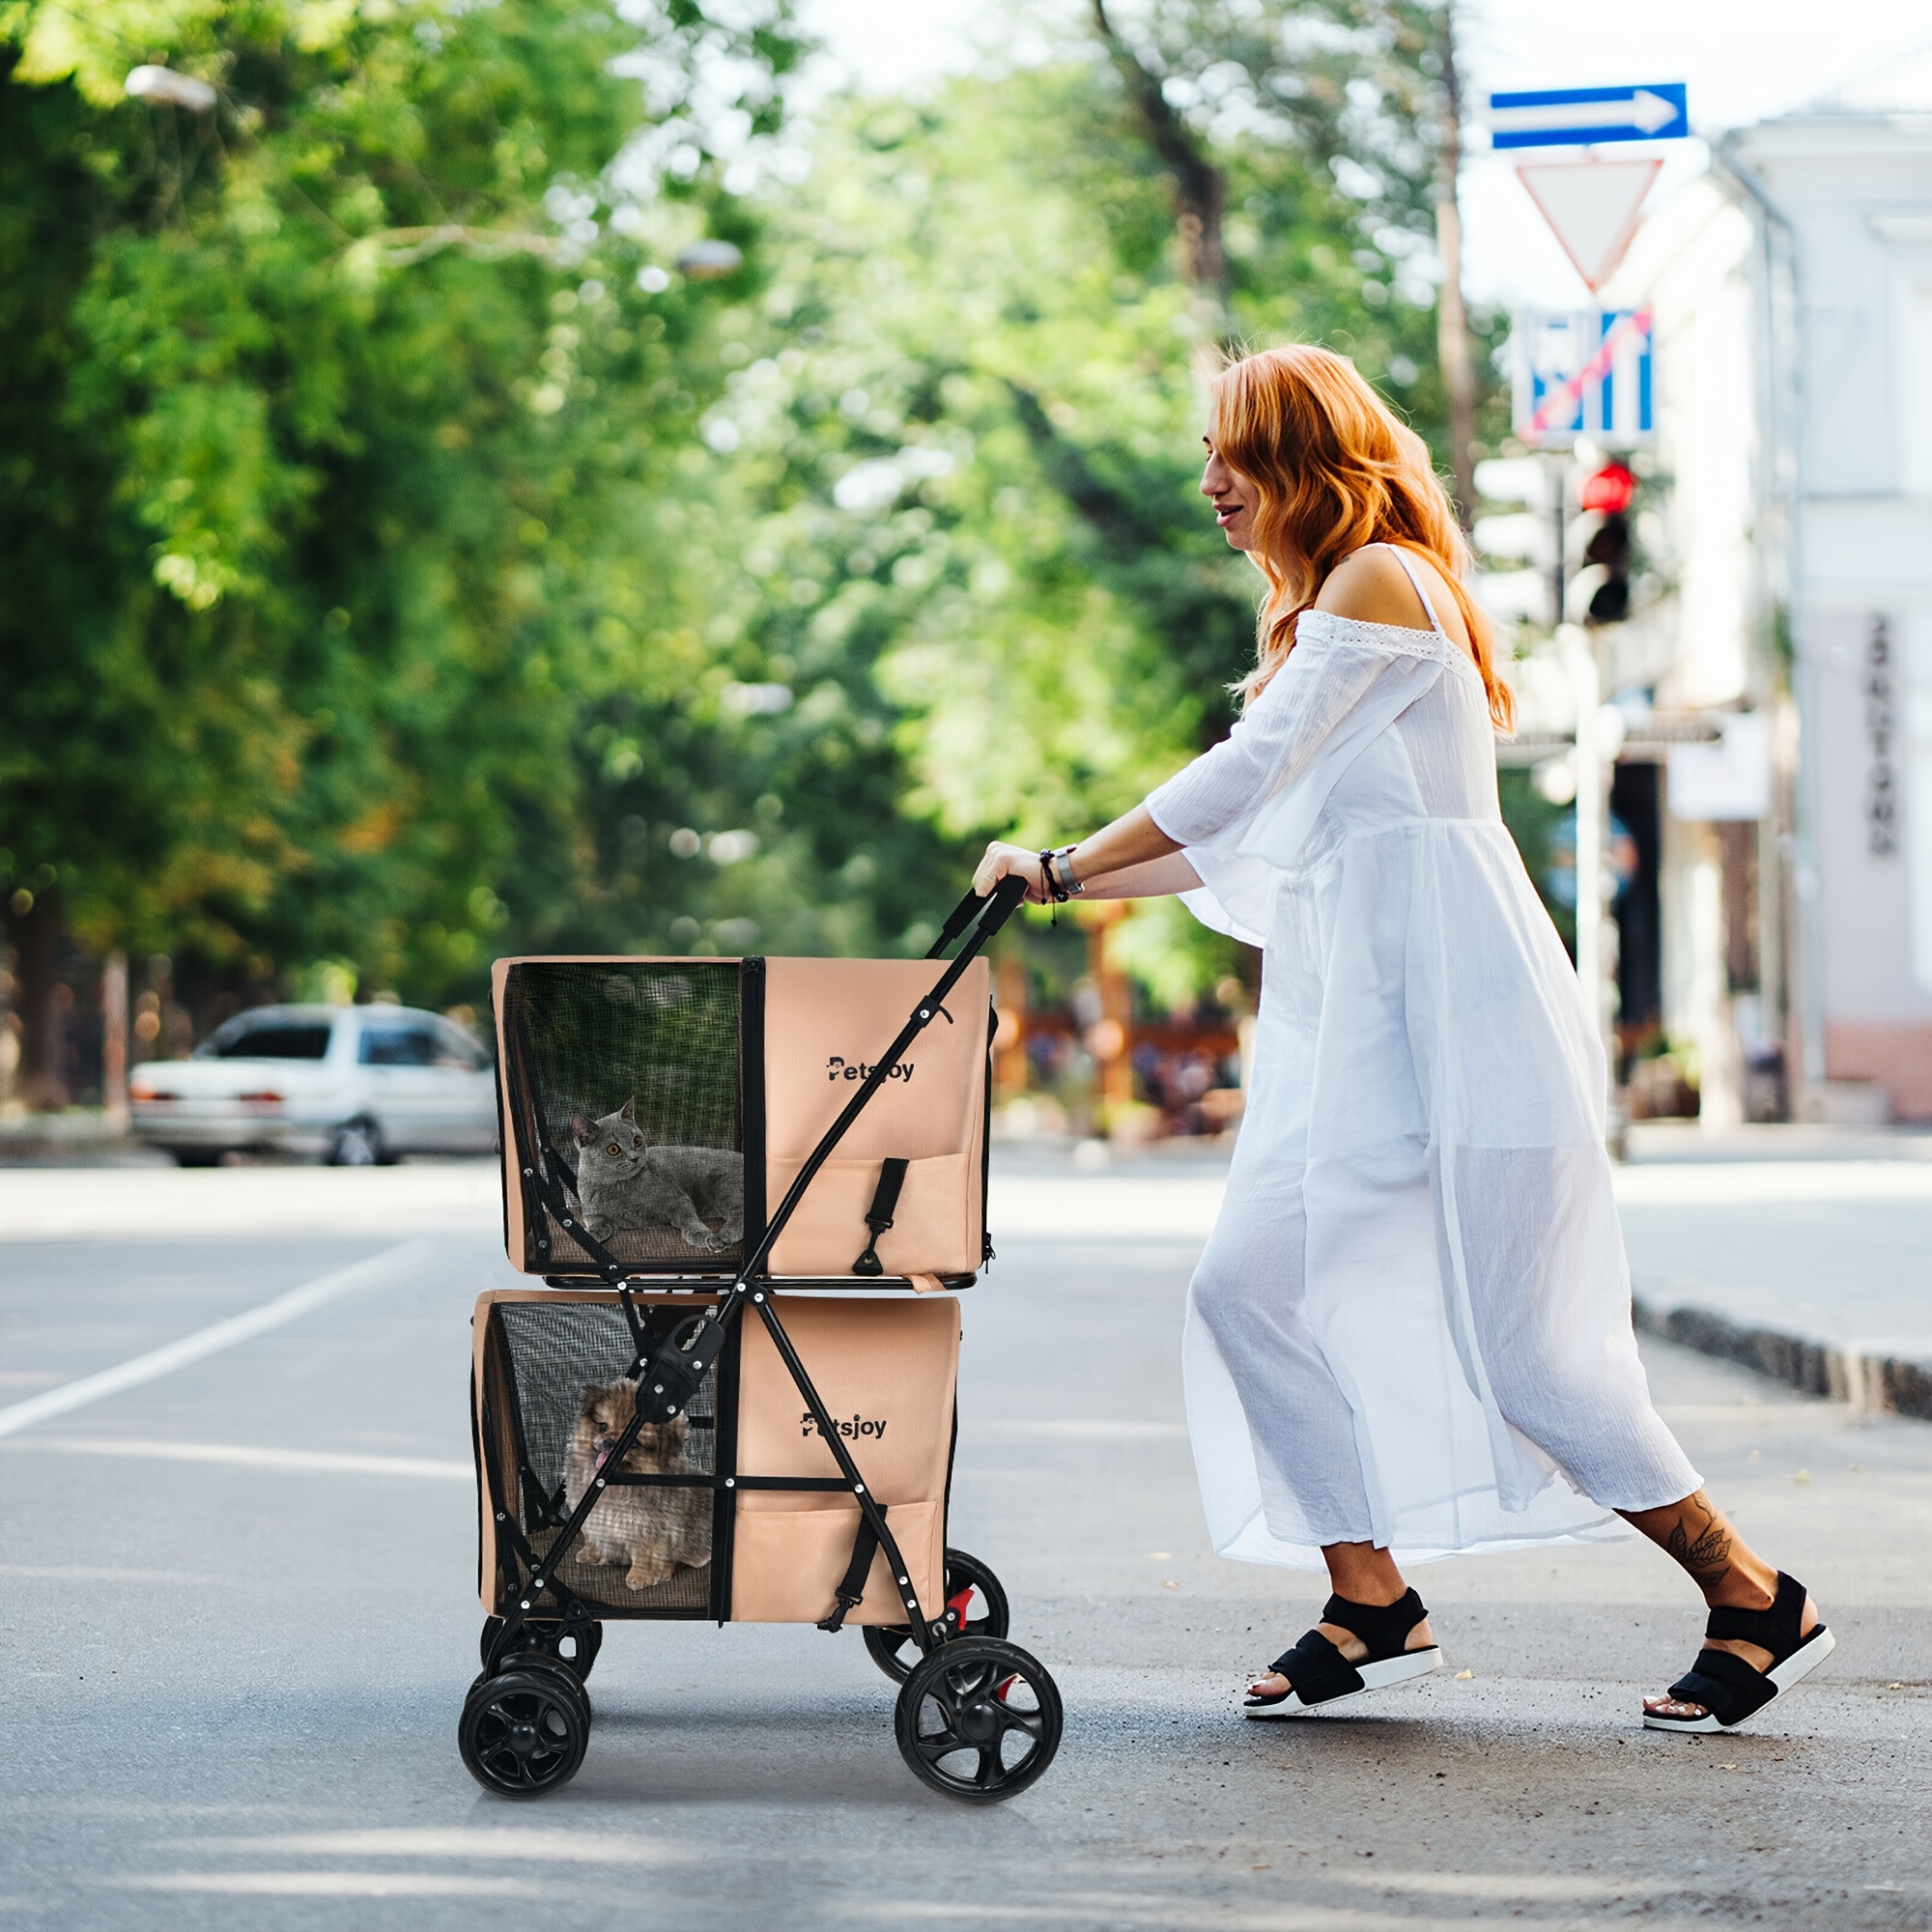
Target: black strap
(1316, 1670)
(1777, 1630)
(1725, 1684)
(853, 1589)
(1383, 1626)
(879, 1215)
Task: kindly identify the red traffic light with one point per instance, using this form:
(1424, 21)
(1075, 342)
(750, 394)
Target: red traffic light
(1610, 490)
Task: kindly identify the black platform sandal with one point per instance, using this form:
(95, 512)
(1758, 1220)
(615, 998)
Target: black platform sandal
(1726, 1687)
(1317, 1673)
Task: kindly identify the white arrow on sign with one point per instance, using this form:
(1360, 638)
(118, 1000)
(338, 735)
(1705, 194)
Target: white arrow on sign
(1647, 112)
(1592, 208)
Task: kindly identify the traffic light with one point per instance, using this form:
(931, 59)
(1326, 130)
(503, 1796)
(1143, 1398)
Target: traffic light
(1609, 492)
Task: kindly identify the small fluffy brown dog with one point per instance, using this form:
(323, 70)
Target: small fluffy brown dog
(655, 1532)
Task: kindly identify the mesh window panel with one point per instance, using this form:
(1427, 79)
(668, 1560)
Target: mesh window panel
(560, 1360)
(662, 1036)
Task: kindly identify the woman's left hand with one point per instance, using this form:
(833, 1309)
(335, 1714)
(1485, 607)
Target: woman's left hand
(1010, 861)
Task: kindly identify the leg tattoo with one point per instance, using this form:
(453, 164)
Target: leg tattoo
(1707, 1554)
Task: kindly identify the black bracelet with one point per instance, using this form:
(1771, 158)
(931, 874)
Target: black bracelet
(1051, 885)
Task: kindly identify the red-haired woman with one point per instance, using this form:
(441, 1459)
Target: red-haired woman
(1410, 1334)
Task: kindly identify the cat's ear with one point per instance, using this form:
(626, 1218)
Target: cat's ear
(582, 1129)
(629, 1111)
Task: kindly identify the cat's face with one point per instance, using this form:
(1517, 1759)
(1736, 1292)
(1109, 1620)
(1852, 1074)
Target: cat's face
(611, 1148)
(603, 1413)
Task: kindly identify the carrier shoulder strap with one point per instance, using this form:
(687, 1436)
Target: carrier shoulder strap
(879, 1215)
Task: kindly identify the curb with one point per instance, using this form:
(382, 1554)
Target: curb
(1874, 1384)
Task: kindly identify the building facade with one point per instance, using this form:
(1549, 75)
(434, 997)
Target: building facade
(1841, 196)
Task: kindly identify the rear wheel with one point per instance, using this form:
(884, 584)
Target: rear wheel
(197, 1157)
(524, 1733)
(974, 1604)
(355, 1143)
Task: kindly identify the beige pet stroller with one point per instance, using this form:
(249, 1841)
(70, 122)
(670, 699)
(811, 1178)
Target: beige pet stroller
(689, 1420)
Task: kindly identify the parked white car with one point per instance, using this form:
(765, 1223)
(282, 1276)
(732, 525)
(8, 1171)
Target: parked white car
(357, 1085)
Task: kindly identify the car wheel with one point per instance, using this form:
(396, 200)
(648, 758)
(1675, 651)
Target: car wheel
(196, 1156)
(357, 1143)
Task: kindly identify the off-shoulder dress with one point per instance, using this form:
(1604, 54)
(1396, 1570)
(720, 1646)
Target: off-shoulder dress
(1411, 1324)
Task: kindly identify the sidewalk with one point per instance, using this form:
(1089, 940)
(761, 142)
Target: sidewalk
(1803, 1252)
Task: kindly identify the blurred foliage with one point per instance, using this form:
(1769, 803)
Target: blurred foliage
(330, 492)
(400, 579)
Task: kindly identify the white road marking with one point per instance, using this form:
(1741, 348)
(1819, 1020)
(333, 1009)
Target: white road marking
(378, 1271)
(247, 1456)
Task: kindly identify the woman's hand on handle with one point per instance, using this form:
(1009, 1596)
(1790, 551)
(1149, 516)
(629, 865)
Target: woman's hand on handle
(1132, 858)
(1003, 861)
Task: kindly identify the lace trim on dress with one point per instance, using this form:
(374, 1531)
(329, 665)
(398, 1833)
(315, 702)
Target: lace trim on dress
(1413, 644)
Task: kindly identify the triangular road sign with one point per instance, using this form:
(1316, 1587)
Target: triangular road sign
(1592, 207)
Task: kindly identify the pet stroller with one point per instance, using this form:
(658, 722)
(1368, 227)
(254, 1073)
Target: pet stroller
(683, 1422)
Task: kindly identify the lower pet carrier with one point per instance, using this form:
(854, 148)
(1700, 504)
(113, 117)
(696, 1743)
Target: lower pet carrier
(687, 1144)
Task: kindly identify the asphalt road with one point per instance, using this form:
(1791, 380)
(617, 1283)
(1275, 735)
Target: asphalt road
(241, 1622)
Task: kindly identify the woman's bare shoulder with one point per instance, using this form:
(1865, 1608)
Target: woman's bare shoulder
(1372, 588)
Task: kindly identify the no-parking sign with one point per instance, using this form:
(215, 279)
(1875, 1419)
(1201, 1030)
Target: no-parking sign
(1584, 373)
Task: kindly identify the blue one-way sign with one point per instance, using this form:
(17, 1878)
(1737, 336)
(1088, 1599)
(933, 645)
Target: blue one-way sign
(1584, 116)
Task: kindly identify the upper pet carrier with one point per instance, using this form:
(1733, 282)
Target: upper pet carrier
(683, 1138)
(663, 1106)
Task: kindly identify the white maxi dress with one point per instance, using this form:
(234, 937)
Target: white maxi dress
(1412, 1325)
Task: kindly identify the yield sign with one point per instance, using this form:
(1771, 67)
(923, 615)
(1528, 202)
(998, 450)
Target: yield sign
(1592, 207)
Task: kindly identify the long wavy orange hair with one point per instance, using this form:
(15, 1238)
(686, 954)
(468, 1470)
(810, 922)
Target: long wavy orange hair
(1332, 469)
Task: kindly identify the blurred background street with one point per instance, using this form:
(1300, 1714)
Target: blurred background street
(245, 1615)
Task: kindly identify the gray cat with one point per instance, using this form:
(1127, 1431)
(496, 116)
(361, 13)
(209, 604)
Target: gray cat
(624, 1182)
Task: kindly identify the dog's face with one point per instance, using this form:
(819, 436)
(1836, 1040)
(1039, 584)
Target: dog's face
(611, 1149)
(603, 1416)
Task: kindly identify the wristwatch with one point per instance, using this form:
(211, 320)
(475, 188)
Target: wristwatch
(1057, 874)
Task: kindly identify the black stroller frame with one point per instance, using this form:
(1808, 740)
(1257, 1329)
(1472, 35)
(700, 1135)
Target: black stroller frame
(980, 1687)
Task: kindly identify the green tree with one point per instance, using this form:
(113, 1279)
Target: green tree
(331, 485)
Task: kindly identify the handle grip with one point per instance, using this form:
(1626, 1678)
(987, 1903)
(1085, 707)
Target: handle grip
(992, 912)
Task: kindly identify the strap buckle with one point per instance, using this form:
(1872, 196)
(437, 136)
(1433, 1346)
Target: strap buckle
(879, 1215)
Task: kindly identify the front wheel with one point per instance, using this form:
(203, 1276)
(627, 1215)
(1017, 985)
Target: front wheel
(976, 1606)
(196, 1156)
(979, 1719)
(524, 1732)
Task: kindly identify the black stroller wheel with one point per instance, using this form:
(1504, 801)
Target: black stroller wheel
(972, 1591)
(583, 1643)
(548, 1667)
(979, 1719)
(523, 1732)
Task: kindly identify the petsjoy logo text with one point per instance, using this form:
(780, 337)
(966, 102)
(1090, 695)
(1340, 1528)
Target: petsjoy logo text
(838, 1067)
(859, 1427)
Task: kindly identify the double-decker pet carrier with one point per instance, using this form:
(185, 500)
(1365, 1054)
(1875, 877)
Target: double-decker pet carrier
(687, 1142)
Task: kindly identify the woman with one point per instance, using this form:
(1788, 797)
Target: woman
(1410, 1334)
